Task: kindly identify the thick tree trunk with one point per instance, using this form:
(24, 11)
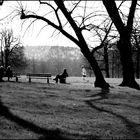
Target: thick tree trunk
(138, 64)
(124, 47)
(99, 81)
(124, 44)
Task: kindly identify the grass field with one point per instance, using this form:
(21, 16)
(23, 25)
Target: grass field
(76, 110)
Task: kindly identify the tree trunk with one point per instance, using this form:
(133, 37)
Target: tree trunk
(99, 81)
(124, 47)
(138, 64)
(6, 58)
(106, 62)
(2, 62)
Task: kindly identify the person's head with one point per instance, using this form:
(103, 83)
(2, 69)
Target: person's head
(65, 70)
(82, 66)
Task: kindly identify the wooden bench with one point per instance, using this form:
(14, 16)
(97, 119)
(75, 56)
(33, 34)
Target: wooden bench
(39, 76)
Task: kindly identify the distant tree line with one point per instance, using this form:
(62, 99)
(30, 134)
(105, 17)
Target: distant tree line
(112, 68)
(58, 58)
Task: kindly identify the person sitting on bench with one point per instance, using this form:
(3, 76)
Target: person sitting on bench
(61, 77)
(9, 73)
(1, 73)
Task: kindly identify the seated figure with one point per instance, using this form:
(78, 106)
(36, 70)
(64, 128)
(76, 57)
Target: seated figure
(61, 77)
(9, 73)
(1, 73)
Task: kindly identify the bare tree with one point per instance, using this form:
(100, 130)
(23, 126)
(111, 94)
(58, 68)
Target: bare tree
(79, 39)
(11, 50)
(106, 34)
(124, 43)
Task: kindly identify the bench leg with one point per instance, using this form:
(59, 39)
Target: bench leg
(16, 79)
(29, 79)
(48, 80)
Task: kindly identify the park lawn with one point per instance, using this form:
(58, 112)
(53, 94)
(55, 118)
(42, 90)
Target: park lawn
(76, 110)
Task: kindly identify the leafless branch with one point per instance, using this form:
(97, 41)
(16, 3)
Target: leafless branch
(75, 6)
(56, 13)
(131, 15)
(55, 10)
(23, 16)
(41, 30)
(29, 26)
(105, 37)
(47, 4)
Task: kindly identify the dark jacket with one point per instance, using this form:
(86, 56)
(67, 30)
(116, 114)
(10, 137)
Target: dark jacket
(9, 72)
(1, 72)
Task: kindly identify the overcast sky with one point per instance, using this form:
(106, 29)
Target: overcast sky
(31, 37)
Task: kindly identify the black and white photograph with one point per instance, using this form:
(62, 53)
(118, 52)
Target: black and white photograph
(70, 69)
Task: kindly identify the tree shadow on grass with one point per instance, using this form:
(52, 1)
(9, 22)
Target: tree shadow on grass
(131, 126)
(120, 104)
(101, 95)
(46, 134)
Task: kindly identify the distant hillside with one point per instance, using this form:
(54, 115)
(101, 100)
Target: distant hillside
(37, 52)
(53, 59)
(45, 52)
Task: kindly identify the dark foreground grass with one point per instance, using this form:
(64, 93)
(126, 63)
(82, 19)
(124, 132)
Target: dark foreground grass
(40, 111)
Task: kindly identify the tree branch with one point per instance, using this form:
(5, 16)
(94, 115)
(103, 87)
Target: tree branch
(57, 16)
(55, 10)
(23, 16)
(47, 4)
(131, 15)
(107, 32)
(114, 15)
(76, 29)
(75, 6)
